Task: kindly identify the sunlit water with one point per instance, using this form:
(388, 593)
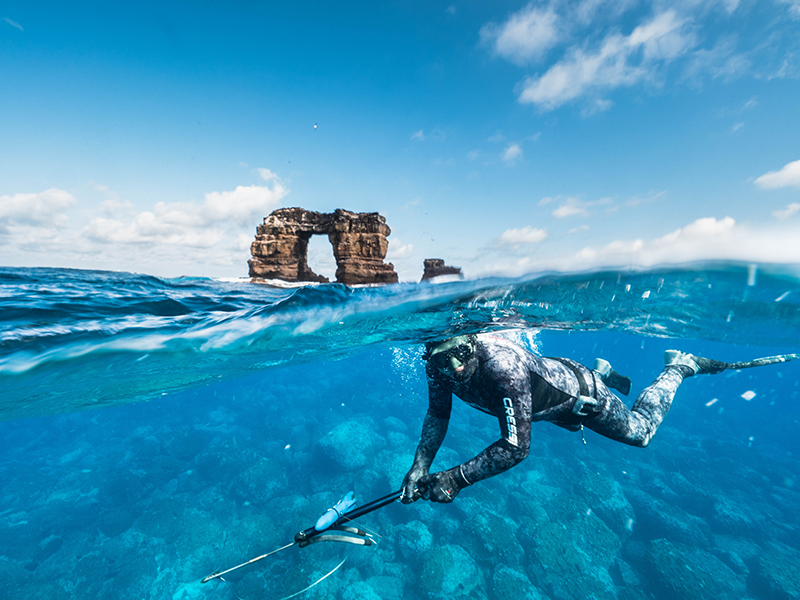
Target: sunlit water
(234, 414)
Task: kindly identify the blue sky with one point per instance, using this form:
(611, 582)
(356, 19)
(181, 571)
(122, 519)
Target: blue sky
(504, 137)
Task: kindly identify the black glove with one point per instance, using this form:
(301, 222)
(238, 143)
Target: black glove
(411, 489)
(442, 486)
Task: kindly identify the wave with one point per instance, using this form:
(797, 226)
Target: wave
(72, 339)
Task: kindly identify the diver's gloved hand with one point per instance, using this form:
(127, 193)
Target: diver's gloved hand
(411, 489)
(443, 486)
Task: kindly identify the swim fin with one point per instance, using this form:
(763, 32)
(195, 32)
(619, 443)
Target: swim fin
(611, 378)
(698, 364)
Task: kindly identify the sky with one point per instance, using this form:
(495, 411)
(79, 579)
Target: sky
(504, 137)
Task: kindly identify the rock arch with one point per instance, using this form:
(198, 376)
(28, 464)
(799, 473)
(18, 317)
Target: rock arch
(280, 250)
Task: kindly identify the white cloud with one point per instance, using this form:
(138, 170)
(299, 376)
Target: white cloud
(190, 224)
(209, 237)
(619, 61)
(243, 204)
(437, 134)
(185, 224)
(720, 61)
(793, 6)
(266, 174)
(512, 153)
(525, 36)
(570, 208)
(704, 239)
(597, 106)
(13, 24)
(523, 235)
(787, 212)
(788, 176)
(398, 250)
(705, 228)
(41, 209)
(150, 228)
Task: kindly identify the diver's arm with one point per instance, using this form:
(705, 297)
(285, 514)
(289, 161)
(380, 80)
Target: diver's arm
(515, 443)
(511, 449)
(434, 429)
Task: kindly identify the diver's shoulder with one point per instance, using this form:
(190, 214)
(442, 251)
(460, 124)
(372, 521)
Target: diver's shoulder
(493, 342)
(502, 354)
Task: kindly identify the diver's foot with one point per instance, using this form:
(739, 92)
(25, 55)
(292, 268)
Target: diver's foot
(611, 378)
(696, 364)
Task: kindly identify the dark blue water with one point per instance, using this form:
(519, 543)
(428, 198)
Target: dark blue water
(232, 415)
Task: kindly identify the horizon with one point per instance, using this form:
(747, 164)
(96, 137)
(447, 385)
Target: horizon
(505, 138)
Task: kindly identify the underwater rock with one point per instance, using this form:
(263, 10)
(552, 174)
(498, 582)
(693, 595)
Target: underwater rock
(693, 574)
(360, 590)
(219, 463)
(494, 534)
(695, 497)
(163, 519)
(413, 539)
(393, 464)
(592, 583)
(113, 522)
(388, 587)
(736, 552)
(435, 267)
(537, 490)
(656, 487)
(509, 584)
(393, 423)
(280, 250)
(190, 591)
(734, 518)
(657, 519)
(629, 593)
(570, 560)
(260, 482)
(46, 548)
(449, 572)
(350, 445)
(606, 498)
(627, 574)
(777, 572)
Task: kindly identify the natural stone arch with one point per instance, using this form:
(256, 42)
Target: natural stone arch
(280, 250)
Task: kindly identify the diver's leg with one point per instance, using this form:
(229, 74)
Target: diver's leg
(636, 426)
(696, 364)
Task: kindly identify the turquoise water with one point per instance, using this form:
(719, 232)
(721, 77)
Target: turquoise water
(157, 430)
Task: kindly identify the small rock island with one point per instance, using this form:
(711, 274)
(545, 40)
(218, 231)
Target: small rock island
(435, 267)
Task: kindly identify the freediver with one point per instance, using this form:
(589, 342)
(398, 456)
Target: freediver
(505, 380)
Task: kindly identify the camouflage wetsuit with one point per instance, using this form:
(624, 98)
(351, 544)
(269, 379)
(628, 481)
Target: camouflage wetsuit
(520, 388)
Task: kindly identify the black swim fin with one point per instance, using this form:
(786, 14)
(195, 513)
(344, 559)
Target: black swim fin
(611, 378)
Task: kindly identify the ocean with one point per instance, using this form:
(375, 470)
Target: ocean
(155, 431)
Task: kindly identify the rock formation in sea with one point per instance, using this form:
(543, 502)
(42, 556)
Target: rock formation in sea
(434, 267)
(280, 250)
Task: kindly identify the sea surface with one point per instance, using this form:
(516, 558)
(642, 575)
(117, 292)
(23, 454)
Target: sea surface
(154, 431)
